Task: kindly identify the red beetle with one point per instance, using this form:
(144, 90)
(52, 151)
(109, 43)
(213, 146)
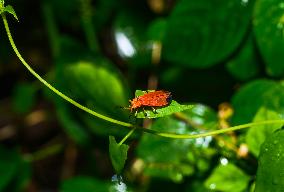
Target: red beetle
(151, 99)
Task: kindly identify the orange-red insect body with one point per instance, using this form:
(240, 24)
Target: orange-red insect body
(151, 99)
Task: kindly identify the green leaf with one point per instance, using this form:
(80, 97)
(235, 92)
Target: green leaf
(256, 135)
(245, 64)
(10, 9)
(174, 159)
(270, 173)
(201, 34)
(86, 184)
(268, 26)
(98, 85)
(173, 107)
(255, 94)
(227, 178)
(24, 97)
(118, 154)
(163, 157)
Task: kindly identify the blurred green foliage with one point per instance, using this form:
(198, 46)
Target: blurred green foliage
(221, 60)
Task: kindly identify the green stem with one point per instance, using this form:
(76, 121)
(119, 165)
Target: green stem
(162, 134)
(127, 136)
(54, 89)
(211, 133)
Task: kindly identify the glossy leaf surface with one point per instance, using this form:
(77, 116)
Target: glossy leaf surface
(268, 26)
(270, 173)
(199, 33)
(256, 135)
(255, 94)
(227, 178)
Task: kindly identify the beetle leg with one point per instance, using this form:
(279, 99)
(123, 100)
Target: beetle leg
(144, 112)
(154, 110)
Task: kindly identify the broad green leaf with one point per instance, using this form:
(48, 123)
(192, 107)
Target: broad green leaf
(173, 107)
(10, 9)
(202, 33)
(99, 86)
(256, 135)
(166, 158)
(245, 64)
(270, 173)
(118, 154)
(98, 83)
(268, 26)
(24, 97)
(86, 184)
(173, 158)
(227, 178)
(250, 97)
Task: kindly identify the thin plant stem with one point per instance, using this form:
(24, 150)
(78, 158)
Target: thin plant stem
(127, 136)
(211, 133)
(162, 134)
(54, 89)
